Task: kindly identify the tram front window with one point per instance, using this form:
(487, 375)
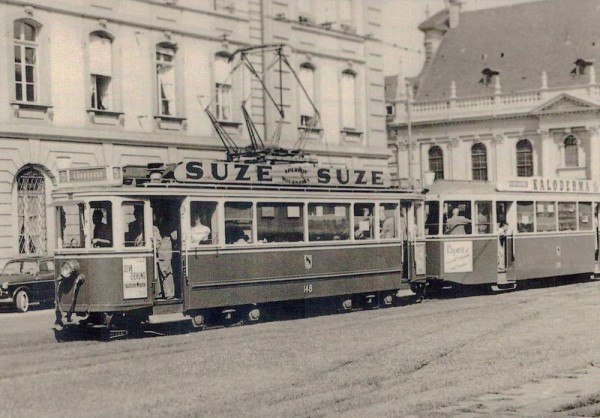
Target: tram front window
(203, 223)
(328, 221)
(101, 224)
(280, 222)
(71, 221)
(238, 222)
(133, 216)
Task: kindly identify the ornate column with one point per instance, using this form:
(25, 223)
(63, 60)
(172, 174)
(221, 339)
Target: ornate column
(498, 169)
(593, 171)
(547, 158)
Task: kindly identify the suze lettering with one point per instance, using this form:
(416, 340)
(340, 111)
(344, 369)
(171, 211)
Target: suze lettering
(300, 174)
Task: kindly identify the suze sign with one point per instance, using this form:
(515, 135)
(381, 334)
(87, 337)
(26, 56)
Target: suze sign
(284, 174)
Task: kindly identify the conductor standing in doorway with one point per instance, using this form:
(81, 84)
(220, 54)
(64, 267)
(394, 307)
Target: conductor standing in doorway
(164, 252)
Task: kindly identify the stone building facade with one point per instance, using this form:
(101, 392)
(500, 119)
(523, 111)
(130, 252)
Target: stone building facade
(117, 82)
(504, 92)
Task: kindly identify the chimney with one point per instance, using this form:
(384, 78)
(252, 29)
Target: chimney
(454, 12)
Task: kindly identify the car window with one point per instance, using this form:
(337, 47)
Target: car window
(46, 266)
(12, 267)
(20, 267)
(29, 267)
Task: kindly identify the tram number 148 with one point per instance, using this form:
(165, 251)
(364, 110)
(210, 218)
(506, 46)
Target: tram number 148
(308, 288)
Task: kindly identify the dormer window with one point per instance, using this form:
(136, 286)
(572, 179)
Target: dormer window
(488, 76)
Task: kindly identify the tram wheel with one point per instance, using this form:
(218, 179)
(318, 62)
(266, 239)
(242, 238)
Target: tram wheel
(21, 299)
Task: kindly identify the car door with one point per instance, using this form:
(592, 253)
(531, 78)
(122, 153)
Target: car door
(45, 281)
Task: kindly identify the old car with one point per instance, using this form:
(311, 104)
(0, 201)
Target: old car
(27, 280)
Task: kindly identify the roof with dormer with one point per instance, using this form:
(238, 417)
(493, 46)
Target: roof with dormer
(519, 42)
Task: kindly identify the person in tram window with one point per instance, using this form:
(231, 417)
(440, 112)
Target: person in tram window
(135, 229)
(388, 228)
(456, 223)
(164, 251)
(102, 232)
(363, 225)
(483, 221)
(199, 233)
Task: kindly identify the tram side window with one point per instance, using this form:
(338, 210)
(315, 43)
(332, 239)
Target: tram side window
(567, 216)
(432, 222)
(238, 222)
(101, 224)
(328, 221)
(545, 217)
(71, 221)
(133, 217)
(484, 217)
(525, 216)
(585, 216)
(280, 222)
(363, 220)
(388, 220)
(458, 217)
(418, 225)
(203, 223)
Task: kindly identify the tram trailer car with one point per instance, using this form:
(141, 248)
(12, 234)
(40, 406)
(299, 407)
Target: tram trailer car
(497, 234)
(164, 245)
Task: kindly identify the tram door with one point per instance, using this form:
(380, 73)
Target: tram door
(506, 220)
(167, 248)
(410, 214)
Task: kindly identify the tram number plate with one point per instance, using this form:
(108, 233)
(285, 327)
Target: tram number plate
(308, 288)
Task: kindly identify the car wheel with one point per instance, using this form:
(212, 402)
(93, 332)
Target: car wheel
(21, 300)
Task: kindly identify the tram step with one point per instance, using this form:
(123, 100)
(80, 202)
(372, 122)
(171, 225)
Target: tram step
(164, 318)
(167, 307)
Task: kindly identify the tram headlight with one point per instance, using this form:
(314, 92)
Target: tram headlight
(69, 268)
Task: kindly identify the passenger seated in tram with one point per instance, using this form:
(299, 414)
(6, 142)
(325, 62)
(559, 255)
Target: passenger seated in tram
(234, 234)
(199, 233)
(102, 232)
(456, 223)
(363, 223)
(135, 229)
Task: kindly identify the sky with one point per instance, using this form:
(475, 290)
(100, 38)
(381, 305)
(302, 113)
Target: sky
(404, 41)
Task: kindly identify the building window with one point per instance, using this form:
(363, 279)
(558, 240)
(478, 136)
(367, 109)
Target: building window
(436, 162)
(479, 162)
(307, 79)
(223, 87)
(31, 212)
(348, 98)
(100, 58)
(26, 48)
(165, 77)
(524, 158)
(571, 152)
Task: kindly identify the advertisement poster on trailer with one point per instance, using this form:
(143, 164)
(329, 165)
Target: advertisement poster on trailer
(458, 257)
(135, 284)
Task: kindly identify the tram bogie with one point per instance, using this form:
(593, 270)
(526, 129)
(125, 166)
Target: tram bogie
(149, 251)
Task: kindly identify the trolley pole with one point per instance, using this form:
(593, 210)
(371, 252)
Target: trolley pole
(409, 139)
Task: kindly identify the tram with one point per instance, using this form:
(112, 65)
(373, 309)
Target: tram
(215, 242)
(485, 233)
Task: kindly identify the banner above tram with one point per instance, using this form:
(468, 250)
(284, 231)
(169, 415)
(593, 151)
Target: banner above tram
(548, 185)
(206, 171)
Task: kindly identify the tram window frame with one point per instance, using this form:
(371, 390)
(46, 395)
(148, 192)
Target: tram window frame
(529, 225)
(465, 210)
(236, 230)
(363, 224)
(418, 221)
(105, 206)
(589, 221)
(207, 219)
(432, 219)
(129, 219)
(572, 220)
(483, 222)
(547, 222)
(62, 218)
(385, 209)
(268, 222)
(339, 232)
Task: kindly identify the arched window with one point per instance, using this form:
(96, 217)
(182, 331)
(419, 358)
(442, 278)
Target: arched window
(31, 212)
(348, 100)
(479, 162)
(223, 86)
(307, 78)
(436, 162)
(100, 59)
(25, 33)
(524, 158)
(165, 79)
(571, 152)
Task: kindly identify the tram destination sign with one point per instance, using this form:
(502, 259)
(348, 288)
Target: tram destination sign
(548, 185)
(201, 171)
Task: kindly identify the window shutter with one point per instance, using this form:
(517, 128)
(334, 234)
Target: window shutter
(100, 56)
